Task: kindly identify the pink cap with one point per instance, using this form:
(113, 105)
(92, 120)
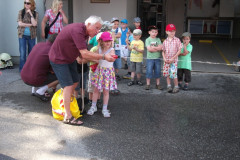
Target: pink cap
(106, 36)
(170, 27)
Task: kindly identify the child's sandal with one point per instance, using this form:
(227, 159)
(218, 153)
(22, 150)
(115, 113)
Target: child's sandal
(131, 83)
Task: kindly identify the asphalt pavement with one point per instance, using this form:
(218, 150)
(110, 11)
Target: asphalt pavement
(201, 123)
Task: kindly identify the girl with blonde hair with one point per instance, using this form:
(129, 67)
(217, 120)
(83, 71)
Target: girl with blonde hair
(50, 16)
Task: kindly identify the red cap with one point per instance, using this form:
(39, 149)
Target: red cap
(170, 27)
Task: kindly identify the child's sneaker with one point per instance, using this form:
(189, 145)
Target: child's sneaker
(180, 85)
(139, 83)
(159, 87)
(185, 87)
(169, 89)
(127, 76)
(147, 87)
(175, 90)
(130, 83)
(99, 104)
(89, 104)
(92, 110)
(118, 78)
(126, 66)
(106, 113)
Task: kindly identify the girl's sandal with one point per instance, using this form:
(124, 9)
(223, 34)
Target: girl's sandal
(73, 121)
(112, 92)
(116, 92)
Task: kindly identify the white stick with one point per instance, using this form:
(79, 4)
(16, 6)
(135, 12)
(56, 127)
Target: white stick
(82, 91)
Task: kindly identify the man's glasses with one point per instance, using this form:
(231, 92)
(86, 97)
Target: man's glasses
(27, 3)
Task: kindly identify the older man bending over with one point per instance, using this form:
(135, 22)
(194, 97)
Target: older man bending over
(70, 45)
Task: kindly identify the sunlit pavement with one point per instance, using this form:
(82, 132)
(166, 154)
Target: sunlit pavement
(201, 123)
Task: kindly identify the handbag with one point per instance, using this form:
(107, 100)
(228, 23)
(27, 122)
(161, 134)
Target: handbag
(47, 27)
(58, 110)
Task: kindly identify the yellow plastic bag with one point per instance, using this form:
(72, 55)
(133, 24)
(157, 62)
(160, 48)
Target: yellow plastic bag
(58, 110)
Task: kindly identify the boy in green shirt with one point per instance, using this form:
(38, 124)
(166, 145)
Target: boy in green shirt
(184, 61)
(154, 46)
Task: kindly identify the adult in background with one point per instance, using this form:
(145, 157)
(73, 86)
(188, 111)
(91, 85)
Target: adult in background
(50, 16)
(70, 44)
(27, 30)
(38, 72)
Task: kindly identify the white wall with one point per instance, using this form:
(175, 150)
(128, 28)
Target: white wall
(226, 8)
(2, 28)
(82, 9)
(8, 28)
(206, 11)
(131, 10)
(175, 15)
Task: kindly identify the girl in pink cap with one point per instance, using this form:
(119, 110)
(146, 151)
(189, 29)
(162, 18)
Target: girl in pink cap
(104, 76)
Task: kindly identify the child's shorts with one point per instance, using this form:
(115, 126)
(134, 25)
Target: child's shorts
(124, 51)
(187, 75)
(128, 58)
(90, 85)
(85, 75)
(170, 70)
(136, 67)
(153, 68)
(117, 63)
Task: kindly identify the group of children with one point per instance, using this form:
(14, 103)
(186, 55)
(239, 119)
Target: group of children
(125, 42)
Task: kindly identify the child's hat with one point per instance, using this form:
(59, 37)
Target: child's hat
(114, 19)
(98, 35)
(186, 34)
(107, 26)
(137, 32)
(124, 21)
(170, 27)
(131, 28)
(152, 27)
(106, 36)
(137, 20)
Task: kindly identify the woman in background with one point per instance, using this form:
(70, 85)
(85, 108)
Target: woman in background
(50, 16)
(27, 29)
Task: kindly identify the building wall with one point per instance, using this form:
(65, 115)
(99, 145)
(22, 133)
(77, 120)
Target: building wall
(82, 9)
(236, 8)
(131, 10)
(174, 8)
(205, 11)
(8, 27)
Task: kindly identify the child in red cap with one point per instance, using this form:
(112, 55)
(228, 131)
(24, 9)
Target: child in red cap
(104, 76)
(171, 49)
